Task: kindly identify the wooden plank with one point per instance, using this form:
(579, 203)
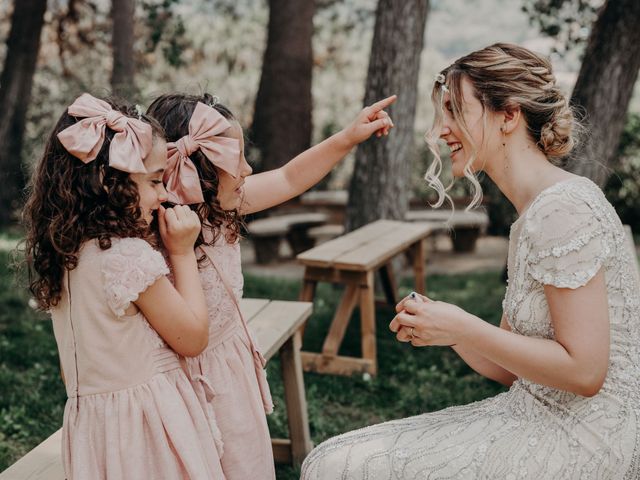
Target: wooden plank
(321, 274)
(44, 462)
(325, 254)
(295, 398)
(281, 450)
(418, 259)
(338, 365)
(340, 320)
(389, 285)
(368, 323)
(378, 251)
(278, 321)
(250, 307)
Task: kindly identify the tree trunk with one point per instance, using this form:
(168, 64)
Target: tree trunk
(380, 182)
(282, 120)
(605, 85)
(122, 75)
(23, 44)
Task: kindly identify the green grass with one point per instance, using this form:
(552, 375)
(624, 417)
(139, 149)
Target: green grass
(410, 380)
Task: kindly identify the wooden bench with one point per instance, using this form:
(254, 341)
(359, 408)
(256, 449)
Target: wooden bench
(464, 227)
(331, 202)
(352, 260)
(276, 326)
(266, 234)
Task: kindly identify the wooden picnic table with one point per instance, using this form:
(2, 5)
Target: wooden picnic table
(276, 328)
(353, 260)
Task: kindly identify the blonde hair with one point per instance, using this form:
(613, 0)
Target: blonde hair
(504, 76)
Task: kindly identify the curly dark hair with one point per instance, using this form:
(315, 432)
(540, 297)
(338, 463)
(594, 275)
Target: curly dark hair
(173, 111)
(70, 202)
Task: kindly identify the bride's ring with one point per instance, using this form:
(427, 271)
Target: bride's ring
(411, 332)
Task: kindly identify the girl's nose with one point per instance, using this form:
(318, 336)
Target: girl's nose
(245, 169)
(444, 131)
(162, 194)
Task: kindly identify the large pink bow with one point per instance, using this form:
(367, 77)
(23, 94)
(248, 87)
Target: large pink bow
(84, 139)
(205, 127)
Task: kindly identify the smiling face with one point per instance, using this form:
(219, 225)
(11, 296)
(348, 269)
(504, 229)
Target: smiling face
(150, 187)
(471, 131)
(230, 189)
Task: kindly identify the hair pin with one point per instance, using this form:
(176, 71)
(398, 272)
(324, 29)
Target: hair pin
(440, 78)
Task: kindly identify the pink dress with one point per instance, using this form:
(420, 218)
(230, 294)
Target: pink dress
(132, 412)
(234, 369)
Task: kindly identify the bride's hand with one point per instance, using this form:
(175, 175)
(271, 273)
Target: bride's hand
(430, 323)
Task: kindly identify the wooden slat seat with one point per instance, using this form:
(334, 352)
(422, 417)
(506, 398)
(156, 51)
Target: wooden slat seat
(276, 328)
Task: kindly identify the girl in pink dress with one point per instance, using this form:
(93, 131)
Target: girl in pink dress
(132, 412)
(207, 170)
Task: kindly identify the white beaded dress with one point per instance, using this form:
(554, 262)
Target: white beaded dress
(532, 431)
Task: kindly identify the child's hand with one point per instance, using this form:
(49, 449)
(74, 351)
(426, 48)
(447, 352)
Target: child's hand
(372, 119)
(179, 228)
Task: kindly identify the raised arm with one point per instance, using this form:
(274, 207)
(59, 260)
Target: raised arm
(267, 189)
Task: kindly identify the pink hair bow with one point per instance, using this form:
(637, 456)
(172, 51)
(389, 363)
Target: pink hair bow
(205, 127)
(129, 146)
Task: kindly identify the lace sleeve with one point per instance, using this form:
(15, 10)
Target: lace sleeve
(568, 241)
(129, 267)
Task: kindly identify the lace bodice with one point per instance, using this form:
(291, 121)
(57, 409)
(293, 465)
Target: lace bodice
(563, 239)
(222, 310)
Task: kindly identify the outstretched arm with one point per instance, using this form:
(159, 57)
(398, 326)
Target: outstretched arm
(267, 189)
(576, 361)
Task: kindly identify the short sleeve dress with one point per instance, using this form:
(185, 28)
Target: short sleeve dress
(131, 410)
(532, 431)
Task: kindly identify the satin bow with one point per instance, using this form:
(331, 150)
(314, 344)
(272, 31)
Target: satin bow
(205, 127)
(129, 146)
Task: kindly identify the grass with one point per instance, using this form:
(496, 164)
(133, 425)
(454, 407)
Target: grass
(410, 380)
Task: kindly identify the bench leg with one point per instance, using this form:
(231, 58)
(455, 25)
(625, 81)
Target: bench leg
(340, 321)
(307, 294)
(389, 284)
(368, 322)
(419, 258)
(295, 399)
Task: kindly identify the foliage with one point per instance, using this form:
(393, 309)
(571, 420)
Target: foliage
(568, 22)
(32, 399)
(623, 187)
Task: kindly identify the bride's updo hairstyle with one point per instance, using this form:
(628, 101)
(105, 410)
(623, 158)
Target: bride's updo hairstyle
(504, 76)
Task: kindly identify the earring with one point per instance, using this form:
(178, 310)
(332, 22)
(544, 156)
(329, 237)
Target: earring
(503, 129)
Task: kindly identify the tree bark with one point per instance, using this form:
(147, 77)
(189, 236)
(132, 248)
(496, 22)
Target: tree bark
(380, 183)
(605, 85)
(16, 81)
(122, 75)
(282, 120)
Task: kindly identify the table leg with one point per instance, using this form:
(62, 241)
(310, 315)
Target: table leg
(368, 321)
(389, 284)
(419, 258)
(307, 294)
(295, 398)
